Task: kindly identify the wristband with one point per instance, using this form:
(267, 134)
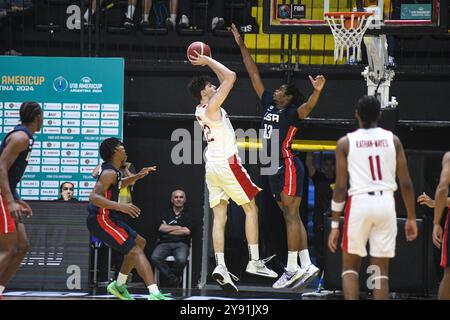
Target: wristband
(334, 224)
(337, 206)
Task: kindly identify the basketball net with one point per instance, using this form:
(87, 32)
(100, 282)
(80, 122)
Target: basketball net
(348, 30)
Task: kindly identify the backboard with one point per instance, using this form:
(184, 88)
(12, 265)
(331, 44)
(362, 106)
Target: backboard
(392, 16)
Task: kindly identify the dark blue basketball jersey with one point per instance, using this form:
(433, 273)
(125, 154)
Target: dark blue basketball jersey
(17, 169)
(285, 121)
(113, 192)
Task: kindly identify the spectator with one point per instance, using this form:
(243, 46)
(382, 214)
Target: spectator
(172, 20)
(146, 7)
(322, 179)
(217, 14)
(174, 239)
(66, 192)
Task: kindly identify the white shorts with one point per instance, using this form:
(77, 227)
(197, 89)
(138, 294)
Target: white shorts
(227, 180)
(373, 218)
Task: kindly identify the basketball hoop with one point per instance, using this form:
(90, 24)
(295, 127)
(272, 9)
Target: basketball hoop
(348, 29)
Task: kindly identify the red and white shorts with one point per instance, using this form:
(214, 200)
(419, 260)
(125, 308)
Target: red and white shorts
(227, 180)
(370, 217)
(7, 224)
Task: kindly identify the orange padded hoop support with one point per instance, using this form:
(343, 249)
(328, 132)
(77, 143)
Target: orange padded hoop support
(347, 16)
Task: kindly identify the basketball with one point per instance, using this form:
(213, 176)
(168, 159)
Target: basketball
(200, 47)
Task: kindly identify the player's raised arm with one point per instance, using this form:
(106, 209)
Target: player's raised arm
(305, 109)
(249, 63)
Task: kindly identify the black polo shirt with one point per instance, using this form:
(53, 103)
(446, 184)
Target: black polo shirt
(182, 220)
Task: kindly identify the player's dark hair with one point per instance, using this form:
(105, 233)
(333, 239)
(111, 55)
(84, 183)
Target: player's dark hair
(108, 148)
(29, 110)
(368, 108)
(196, 85)
(297, 96)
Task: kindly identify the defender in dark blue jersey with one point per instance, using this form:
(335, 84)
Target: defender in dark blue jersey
(105, 220)
(15, 151)
(283, 111)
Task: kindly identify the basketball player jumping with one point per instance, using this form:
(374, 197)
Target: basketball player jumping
(104, 220)
(370, 159)
(225, 176)
(15, 151)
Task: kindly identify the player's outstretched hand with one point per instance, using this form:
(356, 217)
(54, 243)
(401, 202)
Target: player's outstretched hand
(437, 235)
(145, 171)
(318, 82)
(236, 34)
(130, 209)
(26, 209)
(411, 229)
(199, 60)
(333, 240)
(425, 199)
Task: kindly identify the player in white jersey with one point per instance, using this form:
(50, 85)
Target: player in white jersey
(225, 176)
(370, 159)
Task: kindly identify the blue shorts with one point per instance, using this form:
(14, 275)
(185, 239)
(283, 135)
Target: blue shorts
(288, 179)
(109, 228)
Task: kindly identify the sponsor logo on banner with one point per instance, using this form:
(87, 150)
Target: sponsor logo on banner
(34, 161)
(86, 85)
(51, 153)
(70, 145)
(71, 114)
(70, 153)
(89, 153)
(109, 131)
(71, 106)
(52, 106)
(33, 169)
(71, 169)
(87, 184)
(52, 114)
(89, 145)
(110, 123)
(30, 184)
(29, 192)
(50, 169)
(91, 107)
(90, 131)
(110, 115)
(90, 123)
(73, 161)
(84, 193)
(91, 115)
(37, 144)
(49, 184)
(110, 107)
(71, 123)
(49, 192)
(87, 169)
(89, 161)
(52, 122)
(43, 198)
(51, 144)
(12, 114)
(50, 160)
(71, 130)
(60, 84)
(50, 130)
(7, 129)
(11, 122)
(12, 105)
(35, 152)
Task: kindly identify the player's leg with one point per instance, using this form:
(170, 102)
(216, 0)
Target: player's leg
(380, 279)
(20, 243)
(350, 275)
(444, 287)
(7, 254)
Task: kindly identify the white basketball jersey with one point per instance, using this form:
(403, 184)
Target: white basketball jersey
(372, 161)
(219, 135)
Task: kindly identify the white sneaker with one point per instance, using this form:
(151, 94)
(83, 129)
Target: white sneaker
(217, 22)
(309, 274)
(288, 278)
(184, 22)
(222, 276)
(259, 268)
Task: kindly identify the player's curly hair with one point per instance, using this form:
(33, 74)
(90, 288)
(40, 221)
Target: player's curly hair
(197, 84)
(368, 108)
(29, 110)
(297, 96)
(108, 148)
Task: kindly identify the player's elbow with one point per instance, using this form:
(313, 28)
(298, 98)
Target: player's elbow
(232, 76)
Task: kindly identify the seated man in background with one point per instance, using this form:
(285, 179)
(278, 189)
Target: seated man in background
(66, 192)
(174, 239)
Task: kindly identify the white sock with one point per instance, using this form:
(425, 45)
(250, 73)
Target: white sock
(304, 258)
(292, 261)
(253, 249)
(220, 258)
(153, 288)
(121, 279)
(173, 17)
(145, 17)
(130, 11)
(1, 289)
(86, 15)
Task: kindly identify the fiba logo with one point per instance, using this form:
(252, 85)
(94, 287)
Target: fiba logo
(60, 84)
(284, 11)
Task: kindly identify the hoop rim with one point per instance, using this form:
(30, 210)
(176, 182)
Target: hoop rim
(348, 14)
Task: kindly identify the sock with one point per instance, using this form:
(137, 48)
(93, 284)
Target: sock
(121, 279)
(145, 17)
(86, 15)
(130, 11)
(253, 249)
(292, 261)
(153, 288)
(220, 258)
(304, 258)
(173, 18)
(1, 289)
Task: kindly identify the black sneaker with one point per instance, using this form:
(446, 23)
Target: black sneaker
(170, 26)
(145, 24)
(129, 24)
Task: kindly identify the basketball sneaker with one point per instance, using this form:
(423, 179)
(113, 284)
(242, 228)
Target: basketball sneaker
(309, 274)
(120, 292)
(160, 296)
(222, 276)
(259, 268)
(288, 278)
